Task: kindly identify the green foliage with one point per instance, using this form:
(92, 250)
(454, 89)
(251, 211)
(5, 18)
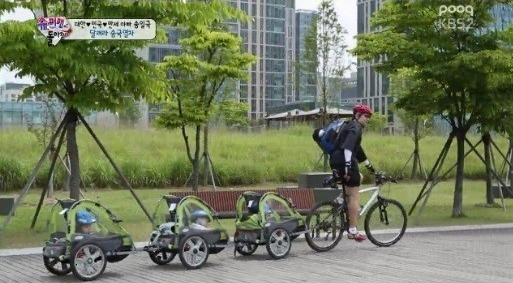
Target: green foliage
(155, 158)
(234, 113)
(377, 123)
(130, 113)
(196, 76)
(49, 121)
(458, 73)
(402, 84)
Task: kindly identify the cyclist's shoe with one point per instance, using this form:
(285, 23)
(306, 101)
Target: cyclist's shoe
(357, 237)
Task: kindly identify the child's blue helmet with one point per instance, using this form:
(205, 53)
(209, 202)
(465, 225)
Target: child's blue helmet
(85, 217)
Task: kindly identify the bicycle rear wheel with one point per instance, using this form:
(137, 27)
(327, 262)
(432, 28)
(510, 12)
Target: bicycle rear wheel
(325, 227)
(386, 222)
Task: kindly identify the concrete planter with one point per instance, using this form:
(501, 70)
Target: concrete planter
(6, 205)
(507, 192)
(310, 180)
(325, 194)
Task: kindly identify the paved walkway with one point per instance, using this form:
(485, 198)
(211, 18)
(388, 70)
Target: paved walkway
(454, 255)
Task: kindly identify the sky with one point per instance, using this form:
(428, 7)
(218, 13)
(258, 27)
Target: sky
(346, 11)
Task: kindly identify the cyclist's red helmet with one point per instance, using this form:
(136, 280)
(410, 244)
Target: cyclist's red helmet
(360, 108)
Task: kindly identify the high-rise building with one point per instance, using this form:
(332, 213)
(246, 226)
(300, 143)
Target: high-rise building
(372, 87)
(306, 80)
(271, 37)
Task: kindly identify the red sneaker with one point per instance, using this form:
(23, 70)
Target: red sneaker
(357, 237)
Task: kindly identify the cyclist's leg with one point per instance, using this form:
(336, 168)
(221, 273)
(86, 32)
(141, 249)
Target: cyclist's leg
(353, 207)
(353, 192)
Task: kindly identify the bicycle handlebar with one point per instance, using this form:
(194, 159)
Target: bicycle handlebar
(382, 177)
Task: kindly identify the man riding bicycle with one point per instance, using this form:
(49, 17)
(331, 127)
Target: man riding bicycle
(345, 159)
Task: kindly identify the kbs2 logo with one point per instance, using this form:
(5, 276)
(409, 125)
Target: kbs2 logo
(455, 17)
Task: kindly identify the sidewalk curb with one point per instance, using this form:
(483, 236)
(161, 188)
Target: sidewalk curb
(140, 245)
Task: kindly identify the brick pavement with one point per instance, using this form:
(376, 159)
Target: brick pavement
(446, 256)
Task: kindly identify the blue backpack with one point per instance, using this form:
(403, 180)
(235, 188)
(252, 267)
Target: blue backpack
(327, 137)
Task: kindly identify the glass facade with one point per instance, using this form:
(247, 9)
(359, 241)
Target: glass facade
(23, 113)
(277, 81)
(157, 52)
(306, 81)
(32, 112)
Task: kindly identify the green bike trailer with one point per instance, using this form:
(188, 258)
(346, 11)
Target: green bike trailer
(85, 252)
(188, 227)
(266, 219)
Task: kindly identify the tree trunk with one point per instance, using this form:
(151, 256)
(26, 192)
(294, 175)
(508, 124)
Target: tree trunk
(457, 206)
(205, 156)
(196, 163)
(510, 171)
(50, 193)
(72, 147)
(324, 102)
(416, 160)
(487, 148)
(324, 113)
(68, 175)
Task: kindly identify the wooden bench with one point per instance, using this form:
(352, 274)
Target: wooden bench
(223, 202)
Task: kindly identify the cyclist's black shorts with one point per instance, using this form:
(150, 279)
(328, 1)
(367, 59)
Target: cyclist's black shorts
(354, 173)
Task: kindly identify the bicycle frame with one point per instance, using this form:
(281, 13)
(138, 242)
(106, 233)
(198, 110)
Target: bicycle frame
(374, 197)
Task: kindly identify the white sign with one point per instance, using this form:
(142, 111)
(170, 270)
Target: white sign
(172, 207)
(57, 28)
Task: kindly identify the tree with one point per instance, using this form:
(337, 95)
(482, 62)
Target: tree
(212, 57)
(234, 113)
(89, 75)
(227, 110)
(50, 117)
(324, 52)
(377, 123)
(130, 113)
(461, 71)
(417, 126)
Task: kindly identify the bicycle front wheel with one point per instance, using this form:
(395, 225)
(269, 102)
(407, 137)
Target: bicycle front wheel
(385, 223)
(325, 227)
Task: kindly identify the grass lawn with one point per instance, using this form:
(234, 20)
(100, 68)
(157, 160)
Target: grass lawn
(436, 213)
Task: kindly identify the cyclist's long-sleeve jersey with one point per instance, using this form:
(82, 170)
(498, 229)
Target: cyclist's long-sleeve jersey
(349, 141)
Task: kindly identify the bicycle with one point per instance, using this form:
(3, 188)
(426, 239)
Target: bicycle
(387, 212)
